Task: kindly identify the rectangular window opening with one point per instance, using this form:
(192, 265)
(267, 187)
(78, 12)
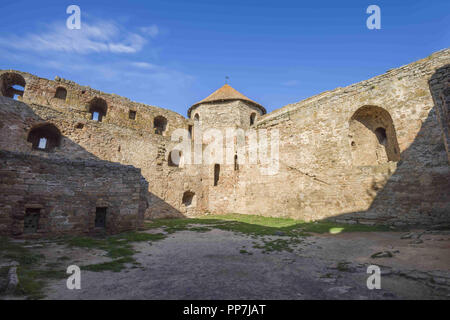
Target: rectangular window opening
(31, 220)
(100, 217)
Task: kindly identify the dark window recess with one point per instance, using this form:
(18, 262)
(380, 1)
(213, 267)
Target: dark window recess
(216, 174)
(132, 115)
(236, 163)
(159, 124)
(190, 131)
(97, 108)
(12, 85)
(45, 137)
(61, 93)
(188, 196)
(252, 118)
(381, 135)
(31, 220)
(100, 217)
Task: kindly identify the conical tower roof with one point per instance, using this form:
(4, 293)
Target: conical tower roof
(226, 93)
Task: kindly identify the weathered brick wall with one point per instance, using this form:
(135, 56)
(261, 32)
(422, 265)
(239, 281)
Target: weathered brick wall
(87, 139)
(67, 193)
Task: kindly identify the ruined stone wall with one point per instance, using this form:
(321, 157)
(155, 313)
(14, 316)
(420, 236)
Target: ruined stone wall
(115, 139)
(320, 176)
(372, 152)
(66, 194)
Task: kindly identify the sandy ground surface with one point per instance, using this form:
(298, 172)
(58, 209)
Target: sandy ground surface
(211, 265)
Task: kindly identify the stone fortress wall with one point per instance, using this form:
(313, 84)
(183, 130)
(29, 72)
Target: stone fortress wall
(372, 152)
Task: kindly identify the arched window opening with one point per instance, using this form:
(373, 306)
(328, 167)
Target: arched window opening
(189, 199)
(175, 158)
(159, 124)
(44, 137)
(61, 93)
(373, 138)
(216, 174)
(98, 108)
(381, 135)
(12, 85)
(236, 164)
(252, 118)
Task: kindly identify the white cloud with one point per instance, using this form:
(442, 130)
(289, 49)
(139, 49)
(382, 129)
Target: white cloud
(103, 36)
(143, 65)
(98, 55)
(152, 30)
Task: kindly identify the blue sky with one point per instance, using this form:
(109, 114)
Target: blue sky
(173, 53)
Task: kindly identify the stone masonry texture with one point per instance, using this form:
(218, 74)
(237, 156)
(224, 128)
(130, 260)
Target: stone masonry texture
(375, 152)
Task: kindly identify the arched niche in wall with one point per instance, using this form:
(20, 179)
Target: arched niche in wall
(12, 85)
(175, 158)
(61, 93)
(189, 199)
(97, 108)
(373, 139)
(159, 124)
(44, 137)
(196, 119)
(252, 118)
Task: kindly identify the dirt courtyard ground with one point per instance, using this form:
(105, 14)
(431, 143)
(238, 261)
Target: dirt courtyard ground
(215, 261)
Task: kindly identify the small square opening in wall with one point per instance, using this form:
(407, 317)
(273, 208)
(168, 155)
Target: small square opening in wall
(132, 115)
(31, 220)
(100, 217)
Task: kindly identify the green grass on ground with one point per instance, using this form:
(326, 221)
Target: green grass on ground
(118, 247)
(259, 225)
(31, 272)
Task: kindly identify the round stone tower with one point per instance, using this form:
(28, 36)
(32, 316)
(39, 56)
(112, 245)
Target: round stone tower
(226, 108)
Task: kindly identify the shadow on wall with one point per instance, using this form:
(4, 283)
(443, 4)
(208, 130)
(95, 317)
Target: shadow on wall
(67, 196)
(417, 192)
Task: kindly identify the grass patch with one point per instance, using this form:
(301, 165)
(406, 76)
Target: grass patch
(117, 247)
(259, 225)
(115, 265)
(174, 225)
(33, 281)
(16, 252)
(32, 275)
